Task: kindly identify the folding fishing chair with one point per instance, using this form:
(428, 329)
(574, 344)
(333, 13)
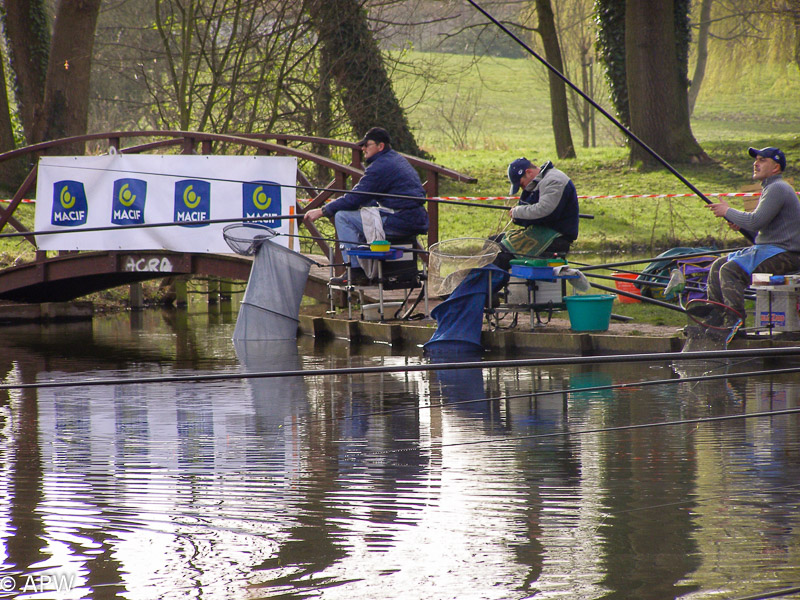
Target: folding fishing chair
(398, 269)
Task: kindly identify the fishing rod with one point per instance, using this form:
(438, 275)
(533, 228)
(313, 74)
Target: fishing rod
(645, 299)
(307, 188)
(152, 225)
(666, 259)
(658, 284)
(787, 351)
(602, 111)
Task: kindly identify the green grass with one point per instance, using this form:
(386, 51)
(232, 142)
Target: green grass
(505, 114)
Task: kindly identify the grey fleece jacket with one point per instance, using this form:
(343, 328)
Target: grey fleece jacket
(776, 218)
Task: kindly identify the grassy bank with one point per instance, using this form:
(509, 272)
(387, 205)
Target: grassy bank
(498, 109)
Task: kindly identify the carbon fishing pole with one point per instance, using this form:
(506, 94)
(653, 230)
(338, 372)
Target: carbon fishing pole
(602, 111)
(151, 225)
(308, 188)
(787, 351)
(646, 299)
(666, 259)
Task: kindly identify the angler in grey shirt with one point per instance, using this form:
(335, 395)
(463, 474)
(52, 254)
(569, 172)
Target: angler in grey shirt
(775, 226)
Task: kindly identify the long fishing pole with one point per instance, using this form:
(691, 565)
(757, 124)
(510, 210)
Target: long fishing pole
(307, 188)
(666, 259)
(786, 351)
(152, 225)
(604, 112)
(645, 299)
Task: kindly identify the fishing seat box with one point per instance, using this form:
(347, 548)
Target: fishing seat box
(402, 272)
(778, 305)
(547, 290)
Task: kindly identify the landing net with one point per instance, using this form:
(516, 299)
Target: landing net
(246, 239)
(707, 329)
(450, 261)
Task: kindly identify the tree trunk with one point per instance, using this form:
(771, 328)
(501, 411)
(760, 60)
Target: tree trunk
(794, 8)
(610, 15)
(657, 96)
(702, 53)
(559, 113)
(12, 172)
(28, 38)
(66, 98)
(358, 69)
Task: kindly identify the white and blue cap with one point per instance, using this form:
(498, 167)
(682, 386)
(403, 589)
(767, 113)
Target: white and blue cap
(774, 153)
(515, 172)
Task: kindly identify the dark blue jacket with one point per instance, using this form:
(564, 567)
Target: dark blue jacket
(549, 200)
(388, 173)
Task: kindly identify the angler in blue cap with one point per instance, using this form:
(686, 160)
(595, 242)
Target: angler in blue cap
(775, 227)
(547, 211)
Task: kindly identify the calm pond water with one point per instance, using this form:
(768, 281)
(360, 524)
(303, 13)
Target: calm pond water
(423, 485)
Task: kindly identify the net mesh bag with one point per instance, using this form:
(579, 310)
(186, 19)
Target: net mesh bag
(450, 261)
(245, 239)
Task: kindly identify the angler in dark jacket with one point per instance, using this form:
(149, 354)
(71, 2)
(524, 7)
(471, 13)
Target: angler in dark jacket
(547, 210)
(389, 183)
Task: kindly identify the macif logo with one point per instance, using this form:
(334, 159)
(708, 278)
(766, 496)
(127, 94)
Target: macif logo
(127, 205)
(261, 199)
(69, 204)
(192, 202)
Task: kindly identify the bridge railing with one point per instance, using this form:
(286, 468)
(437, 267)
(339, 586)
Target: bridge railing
(192, 142)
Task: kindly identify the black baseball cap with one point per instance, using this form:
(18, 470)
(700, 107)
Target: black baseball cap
(376, 134)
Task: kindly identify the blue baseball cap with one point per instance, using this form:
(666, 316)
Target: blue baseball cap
(774, 153)
(515, 172)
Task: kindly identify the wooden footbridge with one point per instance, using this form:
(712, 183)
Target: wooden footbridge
(67, 275)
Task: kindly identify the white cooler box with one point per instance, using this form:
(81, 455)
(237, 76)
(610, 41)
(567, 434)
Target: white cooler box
(544, 292)
(778, 305)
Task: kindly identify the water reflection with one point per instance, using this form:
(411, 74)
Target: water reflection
(475, 483)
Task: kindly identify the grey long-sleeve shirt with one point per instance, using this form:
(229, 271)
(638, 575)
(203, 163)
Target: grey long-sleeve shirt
(776, 218)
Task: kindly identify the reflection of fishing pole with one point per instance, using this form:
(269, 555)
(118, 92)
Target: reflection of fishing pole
(602, 111)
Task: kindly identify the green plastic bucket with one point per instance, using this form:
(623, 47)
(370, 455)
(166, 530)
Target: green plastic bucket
(591, 312)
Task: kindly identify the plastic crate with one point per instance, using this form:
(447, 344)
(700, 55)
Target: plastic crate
(527, 272)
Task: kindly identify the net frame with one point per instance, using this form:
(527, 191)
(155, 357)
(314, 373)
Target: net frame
(246, 238)
(450, 261)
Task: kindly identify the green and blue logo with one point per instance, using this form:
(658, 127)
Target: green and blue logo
(127, 205)
(261, 200)
(70, 208)
(192, 202)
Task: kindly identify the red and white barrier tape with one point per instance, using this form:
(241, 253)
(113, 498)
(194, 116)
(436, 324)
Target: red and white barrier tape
(687, 195)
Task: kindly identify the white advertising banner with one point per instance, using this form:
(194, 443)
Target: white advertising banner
(116, 193)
